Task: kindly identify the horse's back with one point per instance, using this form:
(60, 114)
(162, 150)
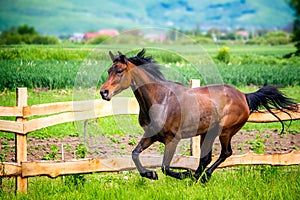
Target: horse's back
(231, 104)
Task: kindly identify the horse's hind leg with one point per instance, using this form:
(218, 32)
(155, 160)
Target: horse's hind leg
(206, 152)
(226, 151)
(142, 145)
(170, 148)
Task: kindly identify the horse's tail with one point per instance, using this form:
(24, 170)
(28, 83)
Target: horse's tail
(270, 98)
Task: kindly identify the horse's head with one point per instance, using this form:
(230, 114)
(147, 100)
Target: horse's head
(119, 77)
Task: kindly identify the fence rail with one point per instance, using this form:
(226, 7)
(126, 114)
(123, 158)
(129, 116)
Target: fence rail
(81, 110)
(115, 164)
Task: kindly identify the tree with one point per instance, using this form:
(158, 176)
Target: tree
(295, 4)
(25, 29)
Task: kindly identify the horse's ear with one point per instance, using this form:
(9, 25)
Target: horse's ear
(111, 56)
(122, 57)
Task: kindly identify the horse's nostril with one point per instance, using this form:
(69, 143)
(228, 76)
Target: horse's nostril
(104, 93)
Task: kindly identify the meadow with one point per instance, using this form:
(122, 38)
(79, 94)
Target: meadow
(55, 68)
(50, 75)
(251, 182)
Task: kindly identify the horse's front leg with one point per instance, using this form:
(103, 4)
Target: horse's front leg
(170, 148)
(142, 145)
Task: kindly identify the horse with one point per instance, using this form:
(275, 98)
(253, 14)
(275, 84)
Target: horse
(170, 111)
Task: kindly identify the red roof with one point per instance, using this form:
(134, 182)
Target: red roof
(89, 35)
(109, 32)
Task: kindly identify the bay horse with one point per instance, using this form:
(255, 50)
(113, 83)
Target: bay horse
(170, 111)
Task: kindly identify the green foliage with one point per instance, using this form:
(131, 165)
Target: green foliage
(81, 151)
(43, 53)
(97, 40)
(37, 74)
(295, 4)
(250, 182)
(204, 40)
(271, 38)
(257, 145)
(52, 154)
(223, 54)
(25, 35)
(38, 39)
(126, 39)
(56, 68)
(132, 142)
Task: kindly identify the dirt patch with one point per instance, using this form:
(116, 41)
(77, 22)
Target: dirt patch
(66, 148)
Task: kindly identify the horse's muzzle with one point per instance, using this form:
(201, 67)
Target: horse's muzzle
(104, 95)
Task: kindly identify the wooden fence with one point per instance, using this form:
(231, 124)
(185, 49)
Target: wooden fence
(57, 113)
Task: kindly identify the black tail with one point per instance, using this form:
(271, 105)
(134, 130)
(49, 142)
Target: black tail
(270, 98)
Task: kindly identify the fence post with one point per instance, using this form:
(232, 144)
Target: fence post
(195, 141)
(21, 141)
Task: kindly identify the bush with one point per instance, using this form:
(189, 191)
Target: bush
(204, 40)
(97, 40)
(13, 39)
(223, 54)
(38, 39)
(257, 41)
(25, 35)
(271, 38)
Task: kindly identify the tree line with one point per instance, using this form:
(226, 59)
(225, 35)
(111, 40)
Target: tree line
(25, 34)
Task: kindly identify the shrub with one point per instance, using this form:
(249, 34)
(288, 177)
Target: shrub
(25, 35)
(271, 38)
(257, 41)
(223, 54)
(13, 39)
(204, 40)
(38, 39)
(98, 40)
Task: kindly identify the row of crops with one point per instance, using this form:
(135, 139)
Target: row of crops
(58, 68)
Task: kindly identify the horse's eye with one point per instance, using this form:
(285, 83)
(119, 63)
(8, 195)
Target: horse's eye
(119, 71)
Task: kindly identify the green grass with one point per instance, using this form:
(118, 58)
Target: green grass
(253, 182)
(59, 68)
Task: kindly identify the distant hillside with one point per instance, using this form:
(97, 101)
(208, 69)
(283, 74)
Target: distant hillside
(63, 17)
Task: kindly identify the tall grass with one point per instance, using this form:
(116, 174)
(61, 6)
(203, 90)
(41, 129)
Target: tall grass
(254, 182)
(57, 68)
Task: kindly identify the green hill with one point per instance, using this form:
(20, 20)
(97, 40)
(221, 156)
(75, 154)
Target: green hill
(56, 16)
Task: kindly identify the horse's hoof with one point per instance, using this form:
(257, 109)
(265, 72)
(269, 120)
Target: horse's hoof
(150, 174)
(186, 174)
(205, 178)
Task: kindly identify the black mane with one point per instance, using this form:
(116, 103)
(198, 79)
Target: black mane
(148, 64)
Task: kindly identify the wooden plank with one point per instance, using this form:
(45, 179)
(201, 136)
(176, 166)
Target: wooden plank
(195, 141)
(44, 122)
(8, 169)
(60, 107)
(122, 105)
(251, 158)
(99, 109)
(21, 141)
(264, 116)
(11, 126)
(11, 111)
(47, 109)
(57, 168)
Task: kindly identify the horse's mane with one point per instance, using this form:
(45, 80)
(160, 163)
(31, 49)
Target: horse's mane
(147, 64)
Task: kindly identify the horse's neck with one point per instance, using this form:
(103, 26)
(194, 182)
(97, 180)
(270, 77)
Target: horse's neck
(148, 90)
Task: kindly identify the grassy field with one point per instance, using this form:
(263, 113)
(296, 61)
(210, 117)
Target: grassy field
(253, 182)
(49, 74)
